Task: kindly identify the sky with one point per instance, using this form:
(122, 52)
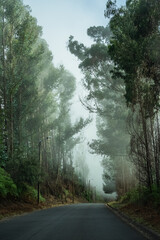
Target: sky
(60, 19)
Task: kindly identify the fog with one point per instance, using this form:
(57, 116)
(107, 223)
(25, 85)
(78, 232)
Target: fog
(60, 19)
(79, 101)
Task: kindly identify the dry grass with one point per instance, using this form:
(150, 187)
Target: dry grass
(10, 208)
(145, 215)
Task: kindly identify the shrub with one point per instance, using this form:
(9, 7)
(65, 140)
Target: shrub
(142, 195)
(154, 196)
(133, 196)
(66, 192)
(7, 186)
(29, 193)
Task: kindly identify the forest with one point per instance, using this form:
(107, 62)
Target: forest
(121, 71)
(37, 135)
(121, 75)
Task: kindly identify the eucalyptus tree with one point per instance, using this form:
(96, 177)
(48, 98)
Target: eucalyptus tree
(134, 49)
(106, 98)
(34, 97)
(65, 132)
(10, 18)
(24, 60)
(130, 54)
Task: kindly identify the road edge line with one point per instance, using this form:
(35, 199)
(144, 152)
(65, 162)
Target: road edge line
(147, 233)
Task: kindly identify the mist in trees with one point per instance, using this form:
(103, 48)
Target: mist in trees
(37, 136)
(105, 97)
(121, 76)
(120, 71)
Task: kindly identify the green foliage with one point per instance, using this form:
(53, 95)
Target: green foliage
(99, 34)
(35, 100)
(76, 48)
(29, 193)
(142, 195)
(66, 192)
(7, 186)
(131, 197)
(23, 169)
(135, 27)
(154, 196)
(105, 97)
(88, 195)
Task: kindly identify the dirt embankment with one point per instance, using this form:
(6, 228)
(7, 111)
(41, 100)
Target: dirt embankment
(148, 215)
(9, 208)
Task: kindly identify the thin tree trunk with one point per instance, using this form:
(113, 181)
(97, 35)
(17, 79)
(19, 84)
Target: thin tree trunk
(148, 163)
(157, 154)
(154, 142)
(4, 84)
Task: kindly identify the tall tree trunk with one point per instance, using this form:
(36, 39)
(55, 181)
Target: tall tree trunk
(148, 159)
(157, 154)
(11, 134)
(154, 143)
(4, 84)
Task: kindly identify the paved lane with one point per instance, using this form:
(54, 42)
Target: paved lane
(73, 222)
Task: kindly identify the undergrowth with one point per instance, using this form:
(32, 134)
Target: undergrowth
(29, 193)
(7, 186)
(142, 195)
(8, 189)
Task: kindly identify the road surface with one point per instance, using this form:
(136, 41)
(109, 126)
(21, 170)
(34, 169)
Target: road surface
(72, 222)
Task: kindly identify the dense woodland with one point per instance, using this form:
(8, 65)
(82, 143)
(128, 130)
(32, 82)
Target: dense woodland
(122, 77)
(121, 72)
(37, 136)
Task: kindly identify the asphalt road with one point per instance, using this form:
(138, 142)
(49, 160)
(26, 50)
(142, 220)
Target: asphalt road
(72, 222)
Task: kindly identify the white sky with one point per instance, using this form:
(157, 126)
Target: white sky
(60, 19)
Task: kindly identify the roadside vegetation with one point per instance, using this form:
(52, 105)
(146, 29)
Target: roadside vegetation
(141, 205)
(121, 74)
(37, 136)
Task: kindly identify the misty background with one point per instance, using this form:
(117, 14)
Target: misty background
(60, 19)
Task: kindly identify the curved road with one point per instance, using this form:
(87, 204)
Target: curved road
(72, 222)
